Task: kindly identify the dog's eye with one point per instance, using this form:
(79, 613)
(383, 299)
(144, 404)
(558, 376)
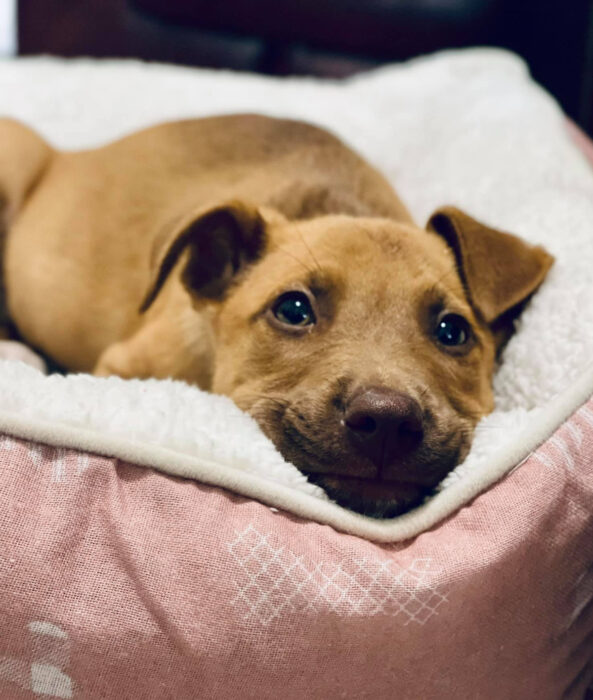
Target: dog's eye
(452, 330)
(294, 309)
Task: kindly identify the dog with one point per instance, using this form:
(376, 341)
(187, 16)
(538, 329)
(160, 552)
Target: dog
(263, 259)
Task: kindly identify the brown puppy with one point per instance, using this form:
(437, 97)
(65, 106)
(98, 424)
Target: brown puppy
(264, 260)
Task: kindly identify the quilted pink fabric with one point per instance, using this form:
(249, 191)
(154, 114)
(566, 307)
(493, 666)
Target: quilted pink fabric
(120, 582)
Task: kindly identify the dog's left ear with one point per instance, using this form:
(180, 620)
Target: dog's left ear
(219, 242)
(499, 271)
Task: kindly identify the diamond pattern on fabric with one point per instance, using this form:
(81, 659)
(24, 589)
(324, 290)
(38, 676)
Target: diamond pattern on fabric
(273, 581)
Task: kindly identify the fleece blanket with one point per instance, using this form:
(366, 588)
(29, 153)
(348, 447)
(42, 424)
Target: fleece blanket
(464, 128)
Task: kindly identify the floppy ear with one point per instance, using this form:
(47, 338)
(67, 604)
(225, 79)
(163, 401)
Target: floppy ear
(220, 241)
(499, 271)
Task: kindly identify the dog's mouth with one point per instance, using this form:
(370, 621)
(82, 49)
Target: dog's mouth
(374, 498)
(363, 489)
(354, 480)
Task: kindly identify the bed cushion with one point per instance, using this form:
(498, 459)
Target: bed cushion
(117, 581)
(153, 543)
(467, 128)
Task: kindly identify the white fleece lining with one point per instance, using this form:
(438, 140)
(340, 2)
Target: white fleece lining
(310, 507)
(466, 128)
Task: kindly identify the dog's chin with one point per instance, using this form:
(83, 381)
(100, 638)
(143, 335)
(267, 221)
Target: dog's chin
(371, 497)
(419, 473)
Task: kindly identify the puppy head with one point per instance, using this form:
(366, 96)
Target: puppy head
(364, 347)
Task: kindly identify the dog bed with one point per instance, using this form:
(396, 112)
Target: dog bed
(154, 544)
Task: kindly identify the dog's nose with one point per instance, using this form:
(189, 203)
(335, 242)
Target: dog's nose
(384, 424)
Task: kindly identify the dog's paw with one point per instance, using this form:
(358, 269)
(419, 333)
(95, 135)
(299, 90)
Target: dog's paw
(19, 352)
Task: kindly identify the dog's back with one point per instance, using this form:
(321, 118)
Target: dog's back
(97, 212)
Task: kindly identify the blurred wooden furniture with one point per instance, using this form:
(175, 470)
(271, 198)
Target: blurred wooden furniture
(322, 37)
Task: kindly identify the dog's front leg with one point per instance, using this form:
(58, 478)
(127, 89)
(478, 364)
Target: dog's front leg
(162, 349)
(122, 360)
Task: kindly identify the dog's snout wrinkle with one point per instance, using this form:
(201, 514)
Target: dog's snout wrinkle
(384, 425)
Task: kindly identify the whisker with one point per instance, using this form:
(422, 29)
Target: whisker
(309, 249)
(263, 402)
(450, 271)
(267, 397)
(423, 393)
(294, 257)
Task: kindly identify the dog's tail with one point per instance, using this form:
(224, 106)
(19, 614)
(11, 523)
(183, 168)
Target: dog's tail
(24, 156)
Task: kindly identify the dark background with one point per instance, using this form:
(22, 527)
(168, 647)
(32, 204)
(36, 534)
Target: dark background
(322, 37)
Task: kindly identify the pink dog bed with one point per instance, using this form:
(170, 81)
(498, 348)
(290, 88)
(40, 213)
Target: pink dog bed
(119, 581)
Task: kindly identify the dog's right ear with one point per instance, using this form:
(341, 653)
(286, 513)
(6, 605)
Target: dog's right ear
(499, 271)
(24, 156)
(219, 242)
